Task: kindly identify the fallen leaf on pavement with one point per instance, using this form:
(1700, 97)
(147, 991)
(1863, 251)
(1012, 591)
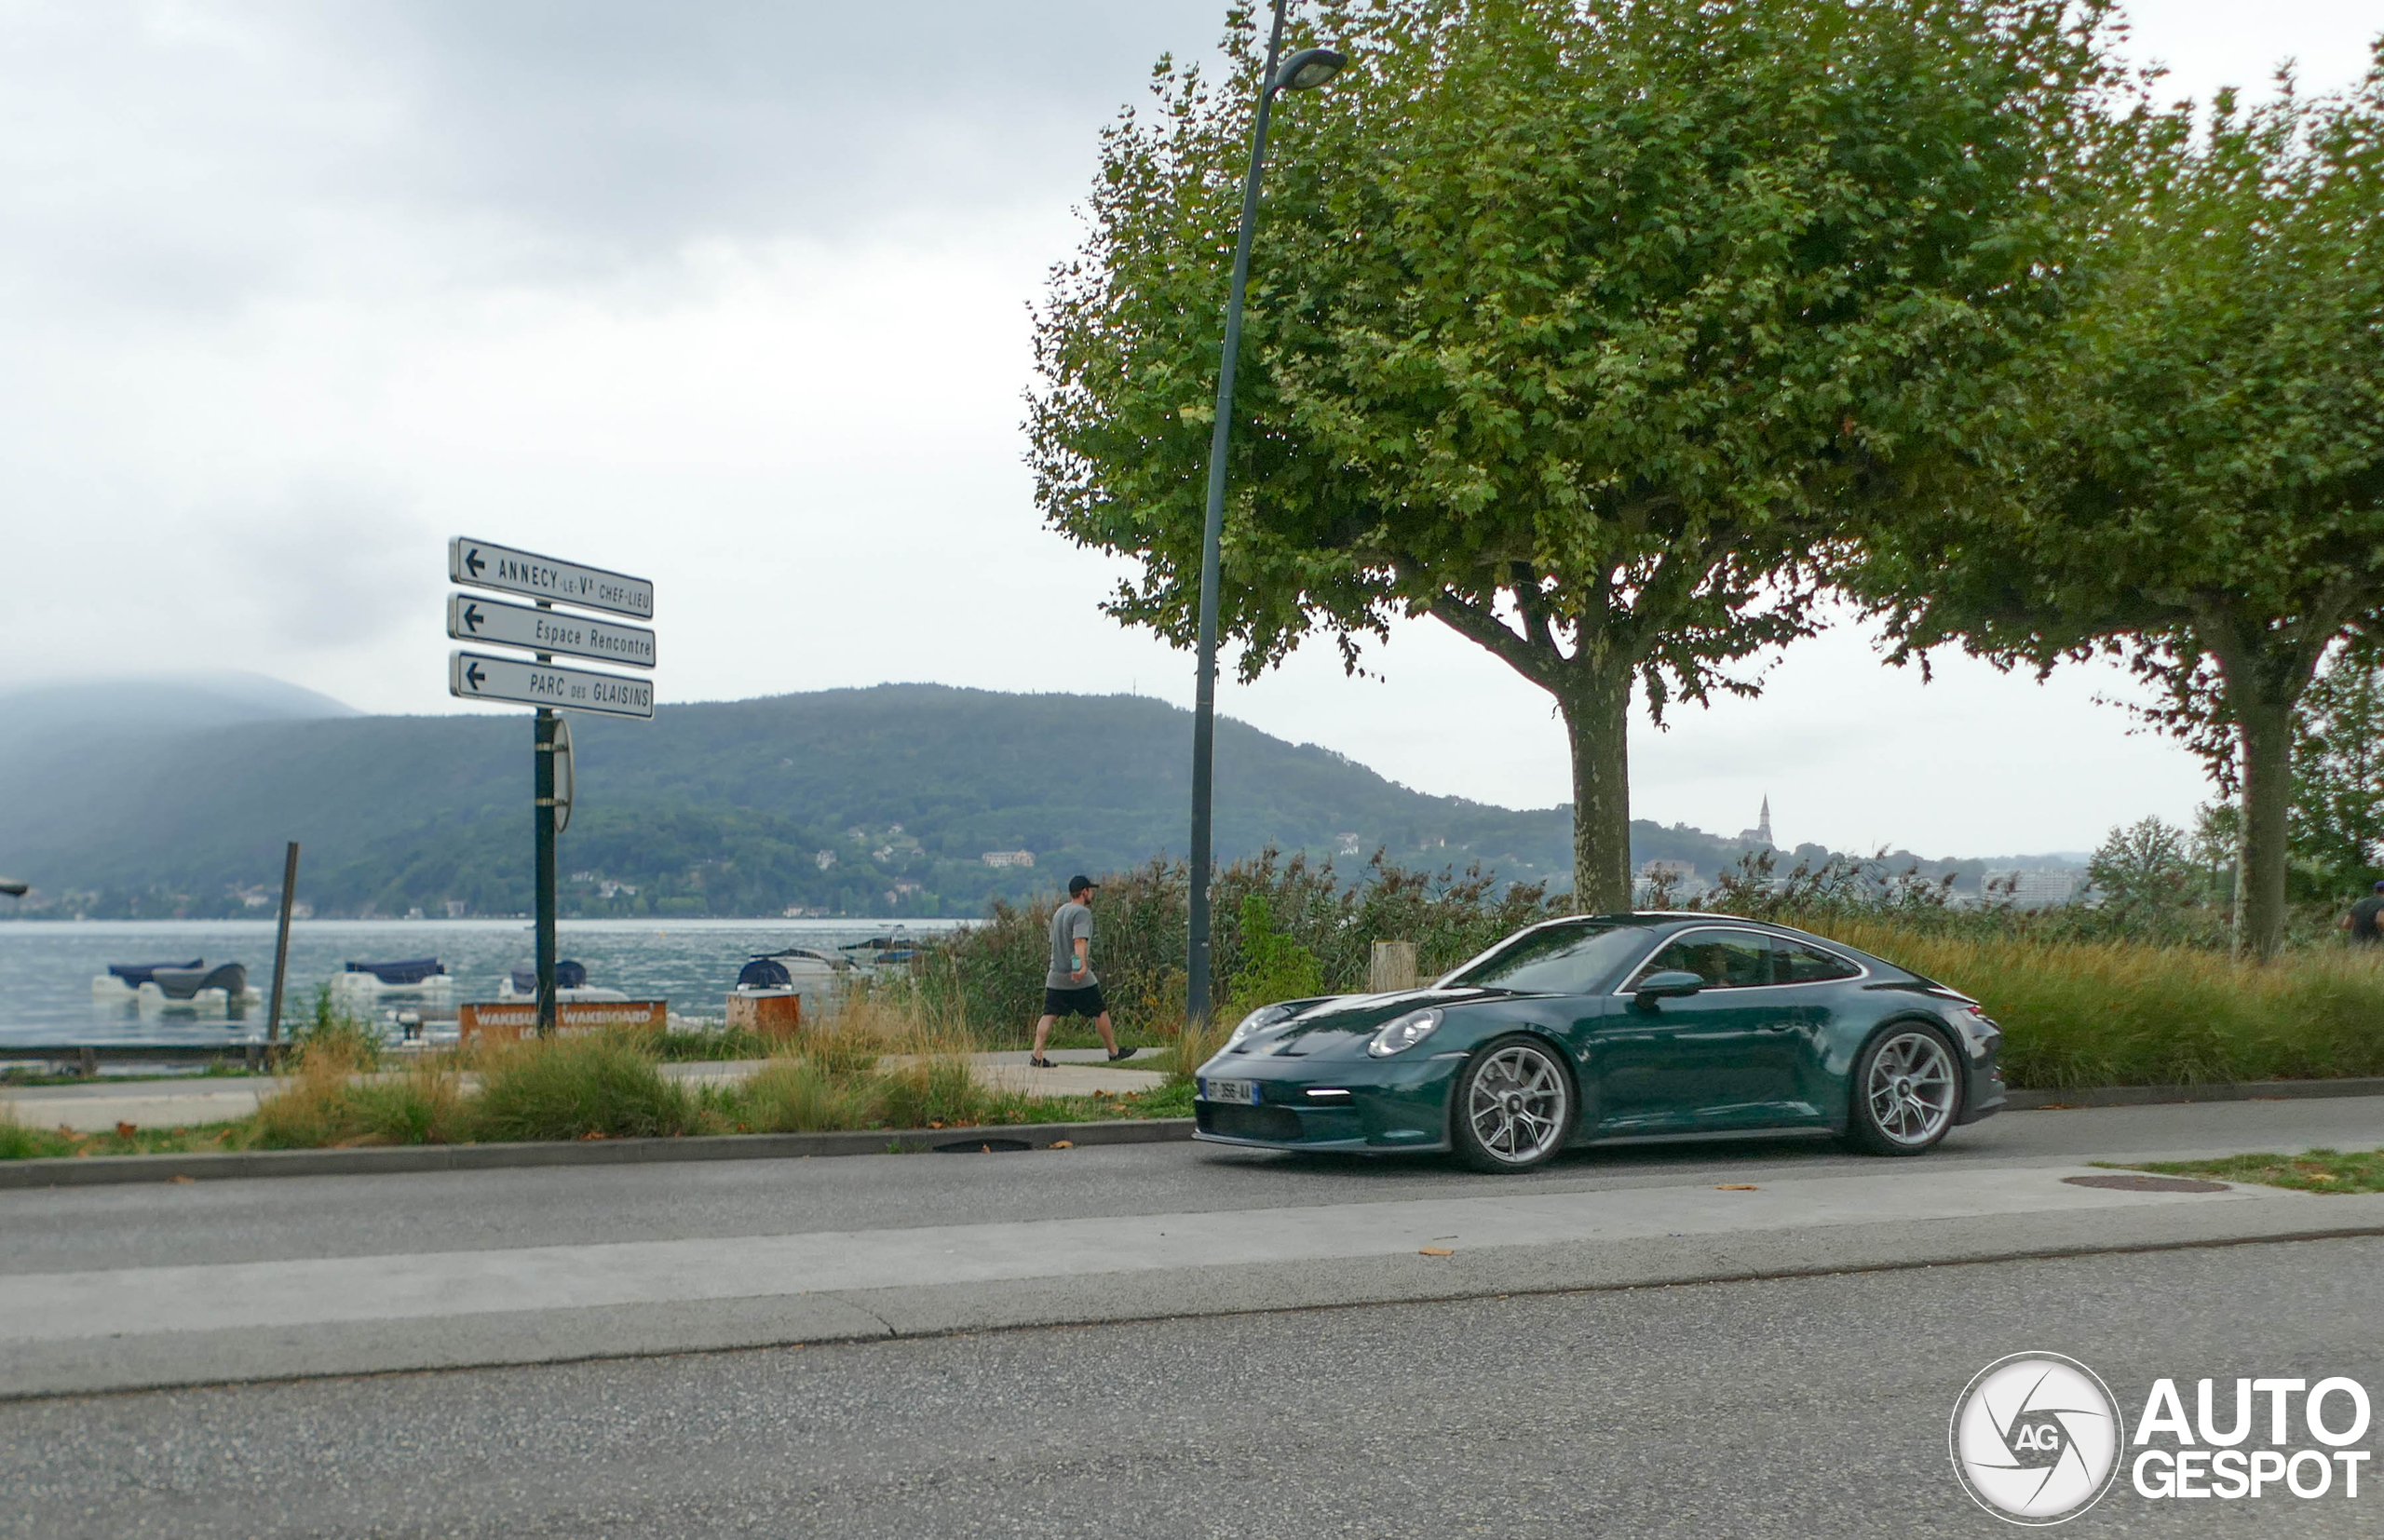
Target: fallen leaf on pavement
(1736, 1187)
(1063, 1144)
(126, 1130)
(184, 1180)
(1438, 1252)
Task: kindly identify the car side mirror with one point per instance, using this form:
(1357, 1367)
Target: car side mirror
(1668, 984)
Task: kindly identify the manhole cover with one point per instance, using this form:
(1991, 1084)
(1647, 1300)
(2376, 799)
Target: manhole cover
(2136, 1182)
(982, 1146)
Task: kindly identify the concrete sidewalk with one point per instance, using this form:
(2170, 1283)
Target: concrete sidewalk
(121, 1327)
(189, 1100)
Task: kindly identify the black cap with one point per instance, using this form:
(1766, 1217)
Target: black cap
(2379, 888)
(1080, 883)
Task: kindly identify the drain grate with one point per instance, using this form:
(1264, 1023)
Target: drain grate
(2136, 1182)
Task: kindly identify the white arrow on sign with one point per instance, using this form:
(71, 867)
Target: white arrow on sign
(518, 682)
(474, 620)
(482, 564)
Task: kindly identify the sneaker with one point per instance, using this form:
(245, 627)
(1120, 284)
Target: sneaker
(1123, 1053)
(1038, 1062)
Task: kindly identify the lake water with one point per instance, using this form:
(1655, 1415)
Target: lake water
(46, 966)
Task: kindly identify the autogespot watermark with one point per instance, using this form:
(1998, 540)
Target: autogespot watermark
(2037, 1439)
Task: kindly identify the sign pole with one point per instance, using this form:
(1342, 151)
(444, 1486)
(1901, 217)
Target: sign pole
(543, 821)
(281, 945)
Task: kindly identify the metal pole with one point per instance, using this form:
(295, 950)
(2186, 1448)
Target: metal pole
(543, 822)
(1204, 706)
(281, 942)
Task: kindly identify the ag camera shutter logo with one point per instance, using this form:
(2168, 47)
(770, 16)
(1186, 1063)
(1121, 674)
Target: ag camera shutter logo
(2035, 1438)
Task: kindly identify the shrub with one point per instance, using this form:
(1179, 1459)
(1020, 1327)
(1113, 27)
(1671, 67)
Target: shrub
(571, 1087)
(333, 1037)
(801, 1095)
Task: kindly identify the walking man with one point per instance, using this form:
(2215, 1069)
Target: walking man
(1071, 988)
(2365, 920)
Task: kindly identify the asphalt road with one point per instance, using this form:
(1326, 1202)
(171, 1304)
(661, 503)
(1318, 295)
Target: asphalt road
(1796, 1408)
(65, 1229)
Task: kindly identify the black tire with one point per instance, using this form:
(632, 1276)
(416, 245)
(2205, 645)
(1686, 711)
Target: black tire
(1513, 1107)
(1905, 1092)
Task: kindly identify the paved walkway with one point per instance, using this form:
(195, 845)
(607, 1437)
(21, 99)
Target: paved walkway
(186, 1102)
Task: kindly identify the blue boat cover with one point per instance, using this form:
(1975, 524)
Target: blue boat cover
(763, 973)
(568, 975)
(137, 974)
(410, 970)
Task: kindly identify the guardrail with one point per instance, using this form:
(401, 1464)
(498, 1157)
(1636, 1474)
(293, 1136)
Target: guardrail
(87, 1058)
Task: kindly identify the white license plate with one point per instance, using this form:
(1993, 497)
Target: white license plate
(1244, 1092)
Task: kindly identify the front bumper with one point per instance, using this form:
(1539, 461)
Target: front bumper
(1389, 1104)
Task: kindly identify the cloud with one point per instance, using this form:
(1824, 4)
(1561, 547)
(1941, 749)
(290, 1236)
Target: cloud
(327, 565)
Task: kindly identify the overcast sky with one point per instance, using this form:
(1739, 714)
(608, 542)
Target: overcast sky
(736, 296)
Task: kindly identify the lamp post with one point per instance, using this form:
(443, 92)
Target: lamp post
(1307, 68)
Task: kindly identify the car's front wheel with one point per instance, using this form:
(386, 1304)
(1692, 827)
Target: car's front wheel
(1513, 1106)
(1906, 1090)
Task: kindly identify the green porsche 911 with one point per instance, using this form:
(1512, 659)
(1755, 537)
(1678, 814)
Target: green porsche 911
(1613, 1026)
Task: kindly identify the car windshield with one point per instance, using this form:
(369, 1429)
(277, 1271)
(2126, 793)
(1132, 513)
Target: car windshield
(1559, 959)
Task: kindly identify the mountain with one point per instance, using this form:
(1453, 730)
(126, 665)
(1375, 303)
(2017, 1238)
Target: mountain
(877, 801)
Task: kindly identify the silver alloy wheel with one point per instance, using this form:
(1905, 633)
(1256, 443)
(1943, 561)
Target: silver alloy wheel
(1911, 1088)
(1516, 1104)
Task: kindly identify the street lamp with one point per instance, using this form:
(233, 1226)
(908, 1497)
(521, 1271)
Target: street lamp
(1307, 68)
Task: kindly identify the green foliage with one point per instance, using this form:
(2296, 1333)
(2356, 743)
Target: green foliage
(2337, 820)
(1273, 966)
(2196, 481)
(1578, 328)
(572, 1087)
(2142, 875)
(331, 1035)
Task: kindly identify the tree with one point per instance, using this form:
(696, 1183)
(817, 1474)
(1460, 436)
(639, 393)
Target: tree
(2337, 817)
(2203, 488)
(2143, 874)
(1577, 328)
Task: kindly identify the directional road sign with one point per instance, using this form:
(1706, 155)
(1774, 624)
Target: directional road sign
(471, 618)
(482, 564)
(479, 676)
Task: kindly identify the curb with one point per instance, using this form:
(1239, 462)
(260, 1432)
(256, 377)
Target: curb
(2051, 1098)
(100, 1170)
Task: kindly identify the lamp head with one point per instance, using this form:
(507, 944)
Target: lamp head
(1307, 69)
(14, 888)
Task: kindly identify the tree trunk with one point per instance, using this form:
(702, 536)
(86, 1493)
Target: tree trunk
(2265, 732)
(1596, 706)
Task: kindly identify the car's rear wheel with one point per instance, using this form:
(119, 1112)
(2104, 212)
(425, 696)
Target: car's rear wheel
(1513, 1106)
(1905, 1092)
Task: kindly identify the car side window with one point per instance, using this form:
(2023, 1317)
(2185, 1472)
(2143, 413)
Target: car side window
(1725, 959)
(1794, 963)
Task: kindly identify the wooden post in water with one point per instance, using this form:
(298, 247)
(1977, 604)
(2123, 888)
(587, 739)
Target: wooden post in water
(281, 944)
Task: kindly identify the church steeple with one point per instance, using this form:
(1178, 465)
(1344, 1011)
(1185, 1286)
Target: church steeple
(1760, 835)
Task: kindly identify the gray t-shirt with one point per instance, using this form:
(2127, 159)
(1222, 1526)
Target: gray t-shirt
(1073, 920)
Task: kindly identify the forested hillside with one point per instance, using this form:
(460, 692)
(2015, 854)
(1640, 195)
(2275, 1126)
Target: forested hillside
(876, 801)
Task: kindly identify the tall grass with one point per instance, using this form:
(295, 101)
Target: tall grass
(2106, 1013)
(604, 1086)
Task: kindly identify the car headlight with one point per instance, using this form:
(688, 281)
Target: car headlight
(1258, 1021)
(1403, 1032)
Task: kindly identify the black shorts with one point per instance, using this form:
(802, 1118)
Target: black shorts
(1084, 1002)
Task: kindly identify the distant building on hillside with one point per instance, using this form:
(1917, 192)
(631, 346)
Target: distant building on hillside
(2025, 889)
(1674, 872)
(1007, 857)
(1349, 841)
(1761, 834)
(825, 860)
